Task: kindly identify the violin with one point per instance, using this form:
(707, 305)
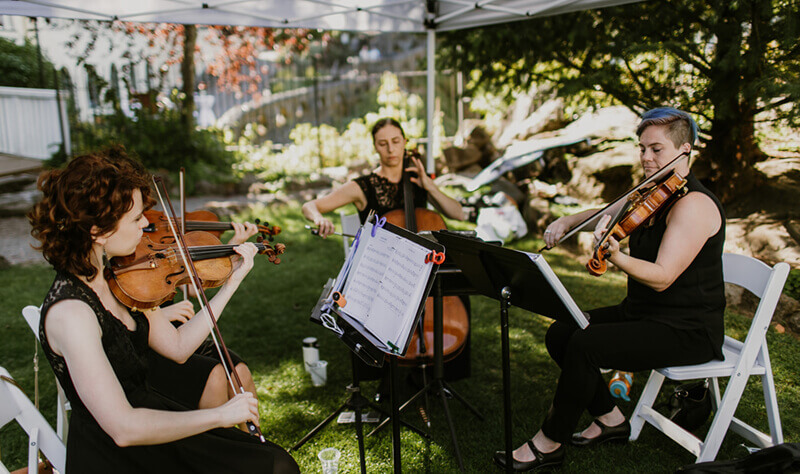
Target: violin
(159, 231)
(455, 320)
(641, 207)
(148, 277)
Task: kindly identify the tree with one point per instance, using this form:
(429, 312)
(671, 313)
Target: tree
(730, 63)
(19, 66)
(233, 62)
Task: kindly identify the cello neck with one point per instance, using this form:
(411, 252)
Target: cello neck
(408, 196)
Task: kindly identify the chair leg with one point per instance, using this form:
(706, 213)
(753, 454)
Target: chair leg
(715, 393)
(771, 402)
(722, 418)
(647, 399)
(33, 450)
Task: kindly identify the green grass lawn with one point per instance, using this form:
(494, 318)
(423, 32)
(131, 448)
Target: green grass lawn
(269, 316)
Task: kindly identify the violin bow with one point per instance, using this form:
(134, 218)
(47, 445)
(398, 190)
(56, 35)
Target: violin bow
(182, 203)
(658, 175)
(216, 336)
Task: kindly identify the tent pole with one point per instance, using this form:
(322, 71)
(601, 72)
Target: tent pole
(431, 98)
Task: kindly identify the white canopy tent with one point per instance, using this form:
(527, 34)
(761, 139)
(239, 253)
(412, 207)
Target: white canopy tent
(409, 16)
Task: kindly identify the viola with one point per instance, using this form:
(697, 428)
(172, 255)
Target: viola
(641, 207)
(148, 277)
(159, 230)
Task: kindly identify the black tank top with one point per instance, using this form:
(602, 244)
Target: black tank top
(696, 299)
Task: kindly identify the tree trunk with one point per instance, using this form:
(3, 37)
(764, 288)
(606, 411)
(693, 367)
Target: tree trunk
(732, 153)
(732, 150)
(187, 74)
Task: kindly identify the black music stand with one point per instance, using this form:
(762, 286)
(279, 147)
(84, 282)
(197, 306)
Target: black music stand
(511, 277)
(438, 385)
(360, 335)
(360, 346)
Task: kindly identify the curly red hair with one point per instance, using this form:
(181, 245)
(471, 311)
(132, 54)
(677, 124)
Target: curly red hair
(93, 190)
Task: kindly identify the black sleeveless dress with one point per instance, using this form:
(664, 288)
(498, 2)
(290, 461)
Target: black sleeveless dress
(91, 450)
(696, 299)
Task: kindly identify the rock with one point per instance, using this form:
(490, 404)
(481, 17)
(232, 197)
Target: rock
(536, 213)
(787, 312)
(19, 203)
(17, 182)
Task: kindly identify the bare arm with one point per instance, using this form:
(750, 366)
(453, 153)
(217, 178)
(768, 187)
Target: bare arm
(443, 203)
(73, 332)
(179, 343)
(559, 227)
(346, 194)
(690, 223)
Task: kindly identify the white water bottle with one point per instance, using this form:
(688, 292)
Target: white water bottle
(310, 352)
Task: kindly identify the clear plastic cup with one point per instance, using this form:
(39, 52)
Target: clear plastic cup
(329, 457)
(319, 373)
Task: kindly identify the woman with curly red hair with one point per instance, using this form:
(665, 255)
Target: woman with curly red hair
(92, 210)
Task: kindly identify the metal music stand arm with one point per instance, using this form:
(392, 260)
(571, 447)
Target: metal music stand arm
(513, 278)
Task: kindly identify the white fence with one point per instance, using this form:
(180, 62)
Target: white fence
(29, 122)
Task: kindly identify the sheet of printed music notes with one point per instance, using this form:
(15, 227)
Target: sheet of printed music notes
(386, 283)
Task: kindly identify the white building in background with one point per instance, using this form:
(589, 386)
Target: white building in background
(110, 58)
(14, 28)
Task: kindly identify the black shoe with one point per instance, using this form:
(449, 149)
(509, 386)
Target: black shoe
(541, 460)
(617, 434)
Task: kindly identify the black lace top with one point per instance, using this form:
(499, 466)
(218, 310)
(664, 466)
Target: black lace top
(384, 196)
(91, 450)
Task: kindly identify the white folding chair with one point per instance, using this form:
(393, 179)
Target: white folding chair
(14, 405)
(32, 315)
(350, 225)
(742, 359)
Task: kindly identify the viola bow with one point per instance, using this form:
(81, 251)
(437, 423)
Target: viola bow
(216, 336)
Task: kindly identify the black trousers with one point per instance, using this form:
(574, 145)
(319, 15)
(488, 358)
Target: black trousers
(611, 340)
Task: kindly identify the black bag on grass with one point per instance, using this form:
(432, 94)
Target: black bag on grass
(780, 459)
(690, 404)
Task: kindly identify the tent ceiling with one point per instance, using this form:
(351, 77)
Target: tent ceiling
(360, 15)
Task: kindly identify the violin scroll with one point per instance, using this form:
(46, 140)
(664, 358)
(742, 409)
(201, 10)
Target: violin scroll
(642, 207)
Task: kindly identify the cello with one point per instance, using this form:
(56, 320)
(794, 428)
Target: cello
(454, 314)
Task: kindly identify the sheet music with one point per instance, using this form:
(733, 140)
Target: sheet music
(561, 291)
(386, 283)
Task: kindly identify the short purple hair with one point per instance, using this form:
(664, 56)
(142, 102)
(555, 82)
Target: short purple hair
(681, 127)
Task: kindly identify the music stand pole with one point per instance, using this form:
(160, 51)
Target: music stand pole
(501, 273)
(437, 383)
(357, 402)
(505, 302)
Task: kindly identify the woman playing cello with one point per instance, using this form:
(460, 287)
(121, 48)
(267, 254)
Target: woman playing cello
(382, 191)
(90, 211)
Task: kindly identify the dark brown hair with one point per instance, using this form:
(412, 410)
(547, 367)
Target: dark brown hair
(91, 190)
(385, 122)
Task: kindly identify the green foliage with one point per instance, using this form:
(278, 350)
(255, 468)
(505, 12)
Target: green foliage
(162, 142)
(323, 146)
(726, 62)
(19, 66)
(792, 287)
